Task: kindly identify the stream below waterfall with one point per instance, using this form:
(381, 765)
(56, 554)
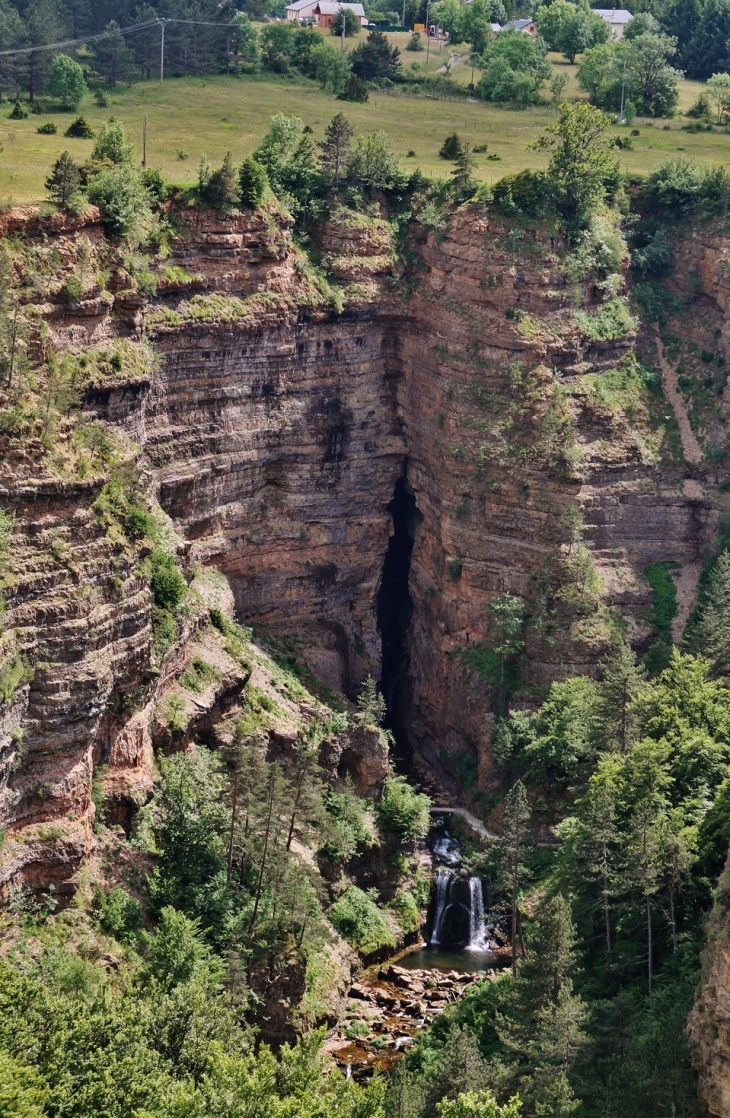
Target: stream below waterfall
(393, 1003)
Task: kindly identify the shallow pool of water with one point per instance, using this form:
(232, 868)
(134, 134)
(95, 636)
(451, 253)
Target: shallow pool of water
(428, 958)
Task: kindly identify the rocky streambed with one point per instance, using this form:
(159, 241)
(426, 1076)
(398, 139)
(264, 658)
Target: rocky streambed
(388, 1008)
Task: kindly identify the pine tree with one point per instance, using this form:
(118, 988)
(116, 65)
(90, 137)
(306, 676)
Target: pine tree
(252, 180)
(371, 707)
(336, 148)
(592, 850)
(622, 684)
(710, 633)
(64, 181)
(354, 90)
(551, 955)
(464, 169)
(460, 1067)
(221, 188)
(677, 846)
(542, 1020)
(114, 58)
(376, 59)
(515, 835)
(306, 799)
(646, 781)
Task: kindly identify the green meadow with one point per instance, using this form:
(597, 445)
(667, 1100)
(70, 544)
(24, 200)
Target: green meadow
(189, 117)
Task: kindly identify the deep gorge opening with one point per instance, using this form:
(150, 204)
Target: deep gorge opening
(394, 613)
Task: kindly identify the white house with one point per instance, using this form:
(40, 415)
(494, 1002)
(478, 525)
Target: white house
(616, 18)
(322, 12)
(326, 12)
(301, 9)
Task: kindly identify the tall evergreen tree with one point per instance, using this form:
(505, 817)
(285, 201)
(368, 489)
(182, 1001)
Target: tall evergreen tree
(542, 1022)
(114, 57)
(515, 836)
(708, 49)
(376, 59)
(336, 148)
(646, 783)
(591, 854)
(710, 633)
(64, 182)
(621, 686)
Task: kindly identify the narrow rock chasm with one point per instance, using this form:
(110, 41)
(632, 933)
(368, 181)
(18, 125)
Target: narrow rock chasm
(395, 609)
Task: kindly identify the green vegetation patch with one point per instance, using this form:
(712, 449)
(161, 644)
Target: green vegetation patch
(360, 921)
(611, 321)
(663, 612)
(199, 675)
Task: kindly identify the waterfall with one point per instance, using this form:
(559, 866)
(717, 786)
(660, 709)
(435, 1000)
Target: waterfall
(477, 938)
(443, 881)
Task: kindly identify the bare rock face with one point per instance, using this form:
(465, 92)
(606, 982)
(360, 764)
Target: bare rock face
(360, 752)
(709, 1022)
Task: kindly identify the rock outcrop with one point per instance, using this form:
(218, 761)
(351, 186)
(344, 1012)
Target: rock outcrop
(709, 1022)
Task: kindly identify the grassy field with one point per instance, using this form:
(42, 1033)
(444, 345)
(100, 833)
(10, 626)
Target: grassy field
(187, 117)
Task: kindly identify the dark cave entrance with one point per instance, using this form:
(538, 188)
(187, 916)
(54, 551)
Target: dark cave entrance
(394, 611)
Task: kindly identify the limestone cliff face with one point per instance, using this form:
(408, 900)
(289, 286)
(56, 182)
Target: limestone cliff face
(272, 423)
(508, 425)
(709, 1022)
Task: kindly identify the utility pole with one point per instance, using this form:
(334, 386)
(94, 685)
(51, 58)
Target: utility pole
(428, 31)
(162, 23)
(623, 91)
(342, 30)
(144, 142)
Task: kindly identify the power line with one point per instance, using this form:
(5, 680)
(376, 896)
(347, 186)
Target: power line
(79, 42)
(159, 22)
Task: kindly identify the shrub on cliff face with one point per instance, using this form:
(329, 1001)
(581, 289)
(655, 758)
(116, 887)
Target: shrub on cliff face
(167, 585)
(287, 155)
(681, 187)
(402, 810)
(346, 826)
(527, 193)
(124, 203)
(358, 919)
(406, 911)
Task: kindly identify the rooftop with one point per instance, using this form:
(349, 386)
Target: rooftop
(332, 7)
(614, 15)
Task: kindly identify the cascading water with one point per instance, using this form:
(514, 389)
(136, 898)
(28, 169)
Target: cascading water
(443, 881)
(477, 935)
(447, 850)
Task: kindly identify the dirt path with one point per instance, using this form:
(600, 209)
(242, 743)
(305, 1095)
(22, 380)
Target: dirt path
(690, 447)
(471, 821)
(455, 60)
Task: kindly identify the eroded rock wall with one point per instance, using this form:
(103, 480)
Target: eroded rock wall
(273, 428)
(507, 428)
